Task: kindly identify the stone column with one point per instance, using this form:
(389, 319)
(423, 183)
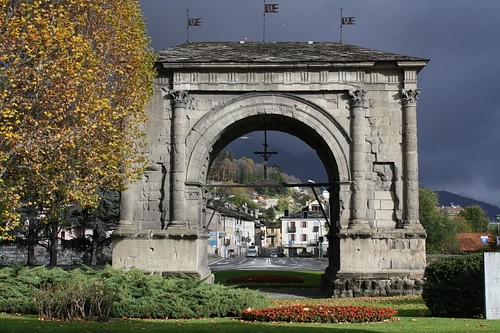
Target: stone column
(128, 200)
(180, 100)
(410, 157)
(359, 128)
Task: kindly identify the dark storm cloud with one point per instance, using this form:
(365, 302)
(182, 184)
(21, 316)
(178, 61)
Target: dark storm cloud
(458, 112)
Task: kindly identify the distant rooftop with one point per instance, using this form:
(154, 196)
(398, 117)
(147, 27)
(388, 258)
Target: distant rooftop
(276, 52)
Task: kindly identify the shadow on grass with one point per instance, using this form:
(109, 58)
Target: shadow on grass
(29, 324)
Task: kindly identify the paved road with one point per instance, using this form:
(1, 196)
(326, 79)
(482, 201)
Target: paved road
(289, 264)
(259, 263)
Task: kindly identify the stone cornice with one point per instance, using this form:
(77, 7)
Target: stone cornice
(282, 79)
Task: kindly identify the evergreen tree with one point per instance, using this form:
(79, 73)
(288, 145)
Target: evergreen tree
(475, 216)
(441, 231)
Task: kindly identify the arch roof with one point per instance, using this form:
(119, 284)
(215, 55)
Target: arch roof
(278, 53)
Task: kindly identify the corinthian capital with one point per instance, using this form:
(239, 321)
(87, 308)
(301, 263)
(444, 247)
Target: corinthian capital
(357, 98)
(409, 96)
(179, 97)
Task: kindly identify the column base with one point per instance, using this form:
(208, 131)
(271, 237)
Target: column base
(164, 252)
(125, 226)
(377, 285)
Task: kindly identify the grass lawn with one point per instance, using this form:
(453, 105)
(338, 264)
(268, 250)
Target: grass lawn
(312, 279)
(413, 317)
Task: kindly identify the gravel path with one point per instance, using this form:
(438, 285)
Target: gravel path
(294, 293)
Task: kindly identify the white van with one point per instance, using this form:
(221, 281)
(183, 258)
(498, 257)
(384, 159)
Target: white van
(252, 252)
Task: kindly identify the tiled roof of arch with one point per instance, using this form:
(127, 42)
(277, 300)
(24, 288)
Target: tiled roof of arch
(276, 52)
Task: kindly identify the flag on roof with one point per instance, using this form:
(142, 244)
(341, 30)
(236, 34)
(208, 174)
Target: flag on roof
(270, 8)
(348, 20)
(194, 22)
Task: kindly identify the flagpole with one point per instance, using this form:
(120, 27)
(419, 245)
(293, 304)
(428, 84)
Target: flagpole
(341, 25)
(187, 25)
(264, 23)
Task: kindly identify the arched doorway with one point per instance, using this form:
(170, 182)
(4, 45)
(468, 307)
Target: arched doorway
(279, 112)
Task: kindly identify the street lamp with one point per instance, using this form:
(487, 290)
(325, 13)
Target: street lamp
(312, 182)
(216, 209)
(320, 238)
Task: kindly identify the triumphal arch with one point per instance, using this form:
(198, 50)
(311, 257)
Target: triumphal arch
(355, 107)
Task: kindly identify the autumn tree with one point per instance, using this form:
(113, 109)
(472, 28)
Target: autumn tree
(75, 76)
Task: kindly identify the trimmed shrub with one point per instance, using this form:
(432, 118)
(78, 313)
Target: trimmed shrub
(81, 296)
(86, 293)
(454, 287)
(141, 296)
(17, 284)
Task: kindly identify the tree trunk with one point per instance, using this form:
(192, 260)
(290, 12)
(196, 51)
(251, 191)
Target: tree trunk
(31, 254)
(53, 244)
(93, 248)
(31, 242)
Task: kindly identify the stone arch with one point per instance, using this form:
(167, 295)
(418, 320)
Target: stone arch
(316, 127)
(338, 99)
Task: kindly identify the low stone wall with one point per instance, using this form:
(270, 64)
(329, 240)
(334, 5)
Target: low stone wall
(376, 287)
(11, 254)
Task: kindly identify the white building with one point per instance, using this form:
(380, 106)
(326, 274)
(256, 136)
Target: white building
(304, 233)
(231, 231)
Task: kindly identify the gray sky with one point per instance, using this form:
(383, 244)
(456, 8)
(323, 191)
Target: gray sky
(459, 107)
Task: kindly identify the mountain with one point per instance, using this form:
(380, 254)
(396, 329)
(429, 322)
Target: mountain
(447, 198)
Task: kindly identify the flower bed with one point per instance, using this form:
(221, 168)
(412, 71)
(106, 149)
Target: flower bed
(266, 278)
(319, 314)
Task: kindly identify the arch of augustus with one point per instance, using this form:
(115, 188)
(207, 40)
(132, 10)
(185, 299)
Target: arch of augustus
(355, 107)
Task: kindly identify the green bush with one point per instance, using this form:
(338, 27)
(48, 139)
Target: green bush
(17, 285)
(454, 287)
(86, 293)
(54, 293)
(141, 296)
(81, 296)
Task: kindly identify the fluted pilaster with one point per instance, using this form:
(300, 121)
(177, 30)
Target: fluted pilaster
(180, 101)
(409, 100)
(359, 130)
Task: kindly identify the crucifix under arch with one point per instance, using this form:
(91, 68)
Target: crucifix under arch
(265, 154)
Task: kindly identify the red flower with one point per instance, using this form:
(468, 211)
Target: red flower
(319, 314)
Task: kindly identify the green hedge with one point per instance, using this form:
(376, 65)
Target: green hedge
(86, 293)
(454, 287)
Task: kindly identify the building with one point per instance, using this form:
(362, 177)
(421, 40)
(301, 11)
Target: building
(273, 235)
(452, 210)
(475, 241)
(303, 233)
(232, 231)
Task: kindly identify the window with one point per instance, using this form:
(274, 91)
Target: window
(292, 237)
(304, 224)
(304, 237)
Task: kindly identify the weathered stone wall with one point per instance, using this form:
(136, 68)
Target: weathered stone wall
(345, 288)
(10, 255)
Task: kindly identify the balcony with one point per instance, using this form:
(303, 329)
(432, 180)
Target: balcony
(292, 230)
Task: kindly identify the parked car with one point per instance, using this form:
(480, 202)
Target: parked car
(273, 254)
(252, 252)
